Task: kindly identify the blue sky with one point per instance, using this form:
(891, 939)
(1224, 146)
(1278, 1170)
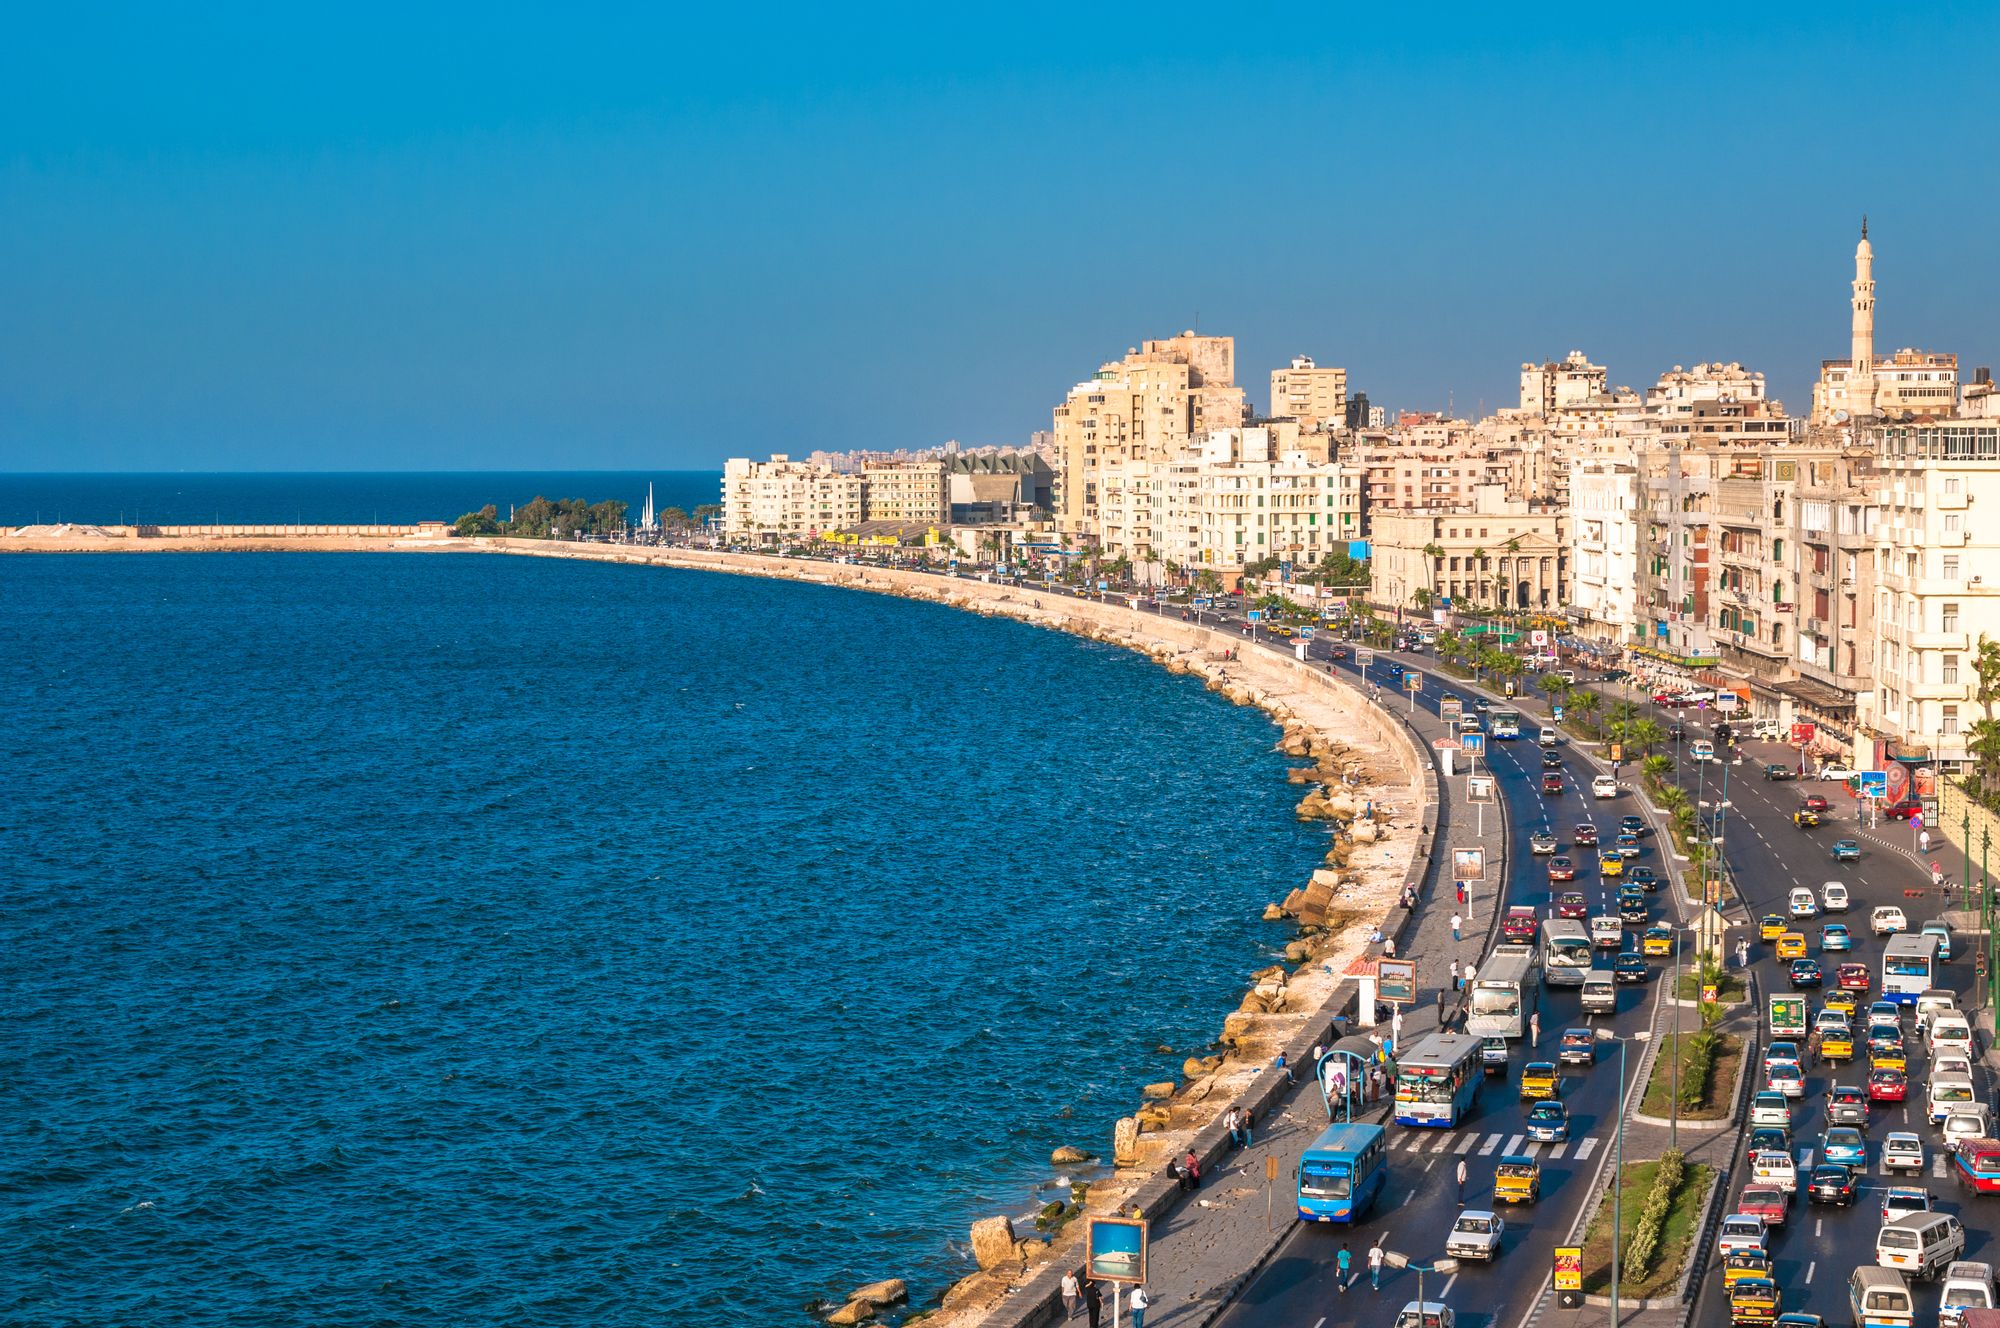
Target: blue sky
(238, 237)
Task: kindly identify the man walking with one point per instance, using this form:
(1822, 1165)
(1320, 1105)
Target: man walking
(1346, 1261)
(1249, 1127)
(1456, 982)
(1234, 1121)
(1375, 1265)
(1093, 1303)
(1455, 921)
(1140, 1303)
(1072, 1292)
(1535, 1029)
(1461, 1182)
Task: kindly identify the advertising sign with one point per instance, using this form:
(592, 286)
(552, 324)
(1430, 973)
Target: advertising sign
(1874, 783)
(1451, 710)
(1617, 752)
(1538, 637)
(1474, 743)
(1726, 702)
(1306, 633)
(1803, 734)
(1117, 1249)
(1569, 1275)
(1255, 615)
(1468, 864)
(1557, 711)
(1479, 788)
(1413, 682)
(1364, 659)
(1396, 981)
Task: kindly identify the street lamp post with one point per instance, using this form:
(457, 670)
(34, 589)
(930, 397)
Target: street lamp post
(1443, 1267)
(1617, 1166)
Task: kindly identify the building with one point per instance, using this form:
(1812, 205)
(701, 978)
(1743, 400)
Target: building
(1552, 389)
(1004, 486)
(1149, 406)
(1315, 397)
(1908, 384)
(1497, 552)
(1604, 535)
(909, 492)
(782, 497)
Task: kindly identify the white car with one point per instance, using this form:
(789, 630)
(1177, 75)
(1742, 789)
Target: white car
(1887, 920)
(1833, 897)
(1903, 1151)
(1770, 1167)
(1541, 844)
(1604, 786)
(1802, 903)
(1785, 1077)
(1740, 1231)
(1476, 1235)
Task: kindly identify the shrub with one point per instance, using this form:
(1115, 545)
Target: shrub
(1645, 1242)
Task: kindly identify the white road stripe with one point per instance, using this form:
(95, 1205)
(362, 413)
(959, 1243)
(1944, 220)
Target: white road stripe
(1937, 1166)
(1586, 1148)
(1558, 1150)
(1465, 1144)
(1514, 1144)
(1533, 1148)
(1809, 1271)
(1492, 1142)
(1444, 1142)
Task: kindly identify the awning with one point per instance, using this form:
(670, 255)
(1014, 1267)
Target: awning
(1684, 661)
(1817, 695)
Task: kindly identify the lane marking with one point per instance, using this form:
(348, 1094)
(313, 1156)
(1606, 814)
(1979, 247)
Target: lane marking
(1818, 1222)
(1465, 1144)
(1533, 1148)
(1492, 1142)
(1586, 1148)
(1514, 1144)
(1809, 1271)
(1556, 1153)
(1444, 1142)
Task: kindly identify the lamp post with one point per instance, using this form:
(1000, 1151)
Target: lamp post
(1618, 1163)
(1443, 1267)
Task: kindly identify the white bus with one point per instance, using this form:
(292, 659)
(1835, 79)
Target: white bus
(1506, 724)
(1906, 967)
(1437, 1080)
(1565, 952)
(1504, 994)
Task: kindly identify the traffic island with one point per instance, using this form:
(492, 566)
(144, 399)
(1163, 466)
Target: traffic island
(1729, 989)
(1659, 1204)
(1709, 1064)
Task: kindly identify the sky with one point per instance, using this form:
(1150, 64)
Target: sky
(582, 236)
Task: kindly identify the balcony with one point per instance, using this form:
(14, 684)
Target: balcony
(1938, 641)
(1939, 691)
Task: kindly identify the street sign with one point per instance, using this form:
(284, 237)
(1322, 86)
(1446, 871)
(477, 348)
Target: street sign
(1117, 1249)
(1396, 981)
(1255, 615)
(1468, 864)
(1474, 743)
(1270, 1166)
(1413, 682)
(1538, 637)
(1306, 633)
(1916, 820)
(1874, 783)
(1364, 659)
(1557, 711)
(1479, 788)
(1726, 702)
(1451, 710)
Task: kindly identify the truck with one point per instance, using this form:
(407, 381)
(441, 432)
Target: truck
(1788, 1016)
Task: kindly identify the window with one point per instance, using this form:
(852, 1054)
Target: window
(1948, 720)
(1951, 523)
(1951, 567)
(1951, 617)
(1950, 669)
(1951, 483)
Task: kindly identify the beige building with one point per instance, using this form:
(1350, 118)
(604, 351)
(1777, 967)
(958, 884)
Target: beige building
(1149, 406)
(906, 491)
(1315, 397)
(786, 497)
(1559, 386)
(1907, 384)
(1497, 553)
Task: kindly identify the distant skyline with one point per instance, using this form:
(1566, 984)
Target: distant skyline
(234, 238)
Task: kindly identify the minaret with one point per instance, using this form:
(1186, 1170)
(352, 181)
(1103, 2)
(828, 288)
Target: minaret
(1861, 380)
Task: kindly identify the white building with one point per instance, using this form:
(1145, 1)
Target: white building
(786, 497)
(1604, 530)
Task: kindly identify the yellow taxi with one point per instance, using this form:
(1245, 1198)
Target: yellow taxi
(1611, 864)
(1887, 1054)
(1842, 1000)
(1539, 1079)
(1739, 1264)
(1836, 1044)
(1771, 927)
(1792, 945)
(1657, 942)
(1753, 1300)
(1517, 1179)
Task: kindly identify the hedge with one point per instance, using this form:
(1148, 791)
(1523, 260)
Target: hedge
(1645, 1242)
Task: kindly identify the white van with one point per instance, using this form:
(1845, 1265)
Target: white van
(1935, 1001)
(1833, 897)
(1546, 738)
(1607, 933)
(1967, 1286)
(1768, 730)
(1880, 1299)
(1604, 786)
(1965, 1123)
(1949, 1093)
(1600, 992)
(1950, 1033)
(1771, 1167)
(1701, 749)
(1951, 1064)
(1920, 1244)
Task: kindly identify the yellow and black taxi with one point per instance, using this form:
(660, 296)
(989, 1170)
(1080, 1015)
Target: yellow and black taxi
(1517, 1179)
(1842, 999)
(1540, 1079)
(1886, 1053)
(1771, 926)
(1792, 945)
(1806, 819)
(1739, 1264)
(1611, 864)
(1658, 941)
(1836, 1041)
(1753, 1300)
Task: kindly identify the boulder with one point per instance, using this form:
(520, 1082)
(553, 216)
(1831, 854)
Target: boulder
(1297, 952)
(853, 1312)
(1237, 1026)
(975, 1288)
(1124, 1141)
(1032, 1251)
(1301, 775)
(1274, 913)
(1326, 877)
(1157, 1092)
(889, 1291)
(1293, 903)
(993, 1242)
(1294, 743)
(1363, 832)
(1194, 1067)
(1068, 1156)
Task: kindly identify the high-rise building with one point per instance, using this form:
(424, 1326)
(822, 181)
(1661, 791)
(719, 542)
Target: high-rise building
(1315, 397)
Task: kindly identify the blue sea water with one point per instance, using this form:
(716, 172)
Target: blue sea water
(463, 939)
(308, 498)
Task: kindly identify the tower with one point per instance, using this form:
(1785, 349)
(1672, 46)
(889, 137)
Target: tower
(1861, 382)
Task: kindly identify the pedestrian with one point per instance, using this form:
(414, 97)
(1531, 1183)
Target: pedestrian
(1388, 947)
(1346, 1261)
(1234, 1121)
(1461, 893)
(1072, 1294)
(1192, 1166)
(1375, 1265)
(1140, 1302)
(1093, 1302)
(1535, 1029)
(1249, 1129)
(1440, 1005)
(1456, 921)
(1924, 841)
(1471, 972)
(1457, 983)
(1285, 1065)
(1461, 1182)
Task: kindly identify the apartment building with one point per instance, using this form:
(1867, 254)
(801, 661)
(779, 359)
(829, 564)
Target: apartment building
(913, 492)
(786, 497)
(1604, 536)
(1316, 397)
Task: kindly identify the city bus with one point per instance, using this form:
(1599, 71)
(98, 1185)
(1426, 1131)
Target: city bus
(1565, 952)
(1906, 967)
(1506, 723)
(1504, 993)
(1343, 1171)
(1438, 1080)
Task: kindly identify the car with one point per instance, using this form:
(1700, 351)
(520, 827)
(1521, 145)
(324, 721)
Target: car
(1840, 998)
(1886, 1053)
(1548, 1122)
(1775, 1167)
(1627, 845)
(1570, 904)
(1494, 1055)
(1561, 869)
(1846, 1105)
(1767, 1203)
(1831, 1183)
(1814, 802)
(1779, 770)
(1784, 1051)
(1805, 819)
(1741, 1267)
(1805, 973)
(1629, 967)
(1658, 942)
(1521, 923)
(1552, 783)
(1801, 904)
(1644, 877)
(1542, 844)
(1770, 1109)
(1517, 1179)
(1480, 703)
(1633, 824)
(1834, 936)
(1887, 920)
(1903, 1150)
(1886, 1085)
(1771, 926)
(1552, 761)
(1844, 1144)
(1578, 1047)
(1785, 1077)
(1632, 908)
(1740, 1232)
(1828, 1021)
(1833, 897)
(1585, 834)
(1902, 1200)
(1846, 850)
(1836, 1041)
(1800, 1319)
(1886, 1012)
(1604, 786)
(1607, 932)
(1540, 1079)
(1767, 1138)
(1792, 945)
(1610, 864)
(1475, 1235)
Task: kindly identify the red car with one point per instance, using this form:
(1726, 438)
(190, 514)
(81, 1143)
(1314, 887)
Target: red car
(1572, 905)
(1764, 1202)
(1586, 833)
(1815, 803)
(1853, 977)
(1552, 783)
(1521, 922)
(1562, 869)
(1888, 1086)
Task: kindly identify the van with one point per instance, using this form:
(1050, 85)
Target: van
(1600, 993)
(1949, 1093)
(1701, 749)
(1880, 1299)
(1767, 730)
(1950, 1033)
(1833, 897)
(1919, 1244)
(1546, 738)
(1965, 1123)
(1604, 786)
(1935, 1001)
(1967, 1286)
(1607, 933)
(1771, 1167)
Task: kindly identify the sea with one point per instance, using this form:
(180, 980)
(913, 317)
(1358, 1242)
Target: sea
(474, 940)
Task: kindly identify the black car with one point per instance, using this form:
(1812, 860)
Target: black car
(1550, 761)
(1677, 730)
(1629, 967)
(1633, 824)
(1779, 770)
(1632, 909)
(1831, 1183)
(1644, 877)
(1767, 1139)
(1805, 973)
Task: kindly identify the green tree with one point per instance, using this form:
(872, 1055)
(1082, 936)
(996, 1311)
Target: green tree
(486, 521)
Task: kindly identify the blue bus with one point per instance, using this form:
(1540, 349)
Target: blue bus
(1437, 1079)
(1342, 1173)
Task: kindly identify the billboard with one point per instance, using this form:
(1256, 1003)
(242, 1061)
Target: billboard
(1479, 788)
(1413, 682)
(1803, 734)
(1396, 981)
(1117, 1249)
(1468, 864)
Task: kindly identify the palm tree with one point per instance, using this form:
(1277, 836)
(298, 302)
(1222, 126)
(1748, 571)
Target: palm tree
(1482, 589)
(1432, 552)
(1585, 701)
(1644, 735)
(1657, 768)
(1982, 739)
(1508, 665)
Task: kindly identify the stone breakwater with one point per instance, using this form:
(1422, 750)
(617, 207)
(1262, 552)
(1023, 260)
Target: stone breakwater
(1364, 780)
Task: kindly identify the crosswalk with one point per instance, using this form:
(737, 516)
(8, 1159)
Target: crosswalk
(1462, 1143)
